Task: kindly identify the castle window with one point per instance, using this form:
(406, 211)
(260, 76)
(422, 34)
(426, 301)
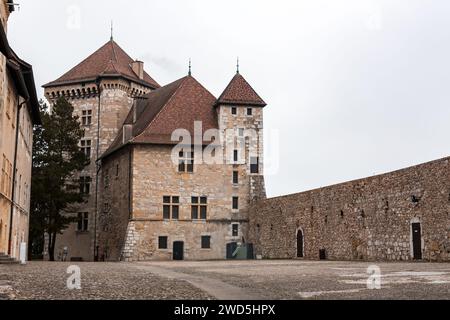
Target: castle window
(235, 177)
(186, 162)
(254, 165)
(162, 243)
(206, 242)
(235, 230)
(235, 203)
(6, 177)
(83, 221)
(86, 118)
(171, 207)
(117, 170)
(199, 208)
(85, 185)
(86, 146)
(234, 111)
(236, 156)
(249, 111)
(241, 132)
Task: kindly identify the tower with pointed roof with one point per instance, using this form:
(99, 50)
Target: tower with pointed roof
(102, 89)
(240, 109)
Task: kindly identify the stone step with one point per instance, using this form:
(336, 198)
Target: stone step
(5, 259)
(9, 261)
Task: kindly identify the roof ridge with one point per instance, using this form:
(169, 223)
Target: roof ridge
(113, 49)
(183, 80)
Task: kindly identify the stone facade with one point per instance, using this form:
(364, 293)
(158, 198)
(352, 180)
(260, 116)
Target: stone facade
(368, 219)
(155, 176)
(115, 101)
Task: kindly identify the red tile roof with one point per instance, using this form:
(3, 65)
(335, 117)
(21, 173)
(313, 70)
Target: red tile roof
(175, 106)
(109, 60)
(239, 92)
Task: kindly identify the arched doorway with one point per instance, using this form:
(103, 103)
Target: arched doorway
(300, 244)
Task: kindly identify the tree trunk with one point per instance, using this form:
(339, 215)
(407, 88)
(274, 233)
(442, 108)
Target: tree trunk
(51, 246)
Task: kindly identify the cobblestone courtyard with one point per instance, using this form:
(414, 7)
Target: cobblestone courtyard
(226, 280)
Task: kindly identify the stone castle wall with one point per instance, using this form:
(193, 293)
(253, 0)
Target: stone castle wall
(367, 219)
(116, 100)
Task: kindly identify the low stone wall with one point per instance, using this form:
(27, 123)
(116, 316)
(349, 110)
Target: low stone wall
(367, 219)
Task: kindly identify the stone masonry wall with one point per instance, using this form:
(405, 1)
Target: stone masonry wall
(114, 205)
(116, 100)
(367, 219)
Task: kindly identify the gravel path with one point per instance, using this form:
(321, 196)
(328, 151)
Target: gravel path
(231, 280)
(121, 281)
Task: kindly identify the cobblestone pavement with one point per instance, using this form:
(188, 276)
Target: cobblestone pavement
(121, 281)
(226, 280)
(321, 280)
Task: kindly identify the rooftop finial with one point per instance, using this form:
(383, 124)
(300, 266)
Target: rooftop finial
(112, 30)
(190, 67)
(237, 65)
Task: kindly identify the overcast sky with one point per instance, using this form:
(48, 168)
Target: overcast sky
(354, 87)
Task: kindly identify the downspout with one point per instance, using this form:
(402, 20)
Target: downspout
(98, 166)
(13, 194)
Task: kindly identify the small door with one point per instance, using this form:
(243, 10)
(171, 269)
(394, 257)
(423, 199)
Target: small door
(300, 244)
(417, 241)
(231, 249)
(178, 250)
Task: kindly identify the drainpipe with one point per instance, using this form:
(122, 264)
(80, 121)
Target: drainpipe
(98, 166)
(13, 194)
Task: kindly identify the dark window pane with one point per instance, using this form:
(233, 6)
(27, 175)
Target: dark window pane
(254, 165)
(166, 199)
(181, 154)
(86, 222)
(206, 242)
(235, 155)
(194, 213)
(235, 203)
(175, 199)
(203, 212)
(249, 111)
(162, 243)
(175, 212)
(235, 177)
(194, 199)
(235, 230)
(181, 166)
(80, 221)
(166, 212)
(203, 200)
(190, 168)
(233, 111)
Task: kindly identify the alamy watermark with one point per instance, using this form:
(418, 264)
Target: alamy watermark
(236, 146)
(74, 280)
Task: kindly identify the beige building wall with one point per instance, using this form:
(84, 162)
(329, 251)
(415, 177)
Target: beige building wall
(9, 112)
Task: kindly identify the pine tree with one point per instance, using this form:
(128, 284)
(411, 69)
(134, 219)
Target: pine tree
(56, 158)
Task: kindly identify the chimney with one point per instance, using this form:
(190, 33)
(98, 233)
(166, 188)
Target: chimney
(138, 68)
(127, 133)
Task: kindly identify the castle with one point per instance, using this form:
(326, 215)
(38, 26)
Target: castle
(141, 202)
(152, 194)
